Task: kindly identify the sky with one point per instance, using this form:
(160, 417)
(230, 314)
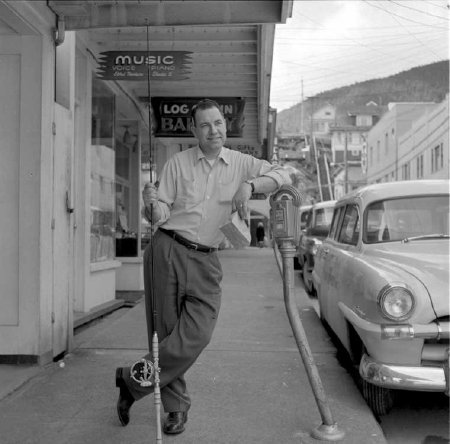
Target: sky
(329, 44)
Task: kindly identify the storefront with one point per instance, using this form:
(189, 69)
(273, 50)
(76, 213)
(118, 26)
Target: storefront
(75, 140)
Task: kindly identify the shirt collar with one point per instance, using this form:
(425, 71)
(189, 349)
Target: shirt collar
(224, 155)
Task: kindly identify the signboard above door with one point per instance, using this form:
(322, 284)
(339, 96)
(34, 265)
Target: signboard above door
(173, 115)
(137, 65)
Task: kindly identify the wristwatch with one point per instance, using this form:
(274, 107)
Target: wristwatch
(250, 182)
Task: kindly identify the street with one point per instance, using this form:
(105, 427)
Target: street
(417, 417)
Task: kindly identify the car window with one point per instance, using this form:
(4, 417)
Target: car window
(349, 232)
(323, 217)
(321, 221)
(304, 217)
(398, 219)
(335, 222)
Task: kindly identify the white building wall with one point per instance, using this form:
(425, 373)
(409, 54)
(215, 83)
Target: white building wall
(382, 140)
(429, 132)
(26, 134)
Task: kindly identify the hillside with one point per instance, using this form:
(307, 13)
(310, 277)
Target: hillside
(428, 83)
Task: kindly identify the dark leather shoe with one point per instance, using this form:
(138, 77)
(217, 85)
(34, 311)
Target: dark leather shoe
(126, 399)
(174, 423)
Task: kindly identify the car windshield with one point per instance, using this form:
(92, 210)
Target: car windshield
(323, 217)
(399, 219)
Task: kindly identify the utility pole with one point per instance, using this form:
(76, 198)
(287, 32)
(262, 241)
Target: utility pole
(302, 115)
(346, 162)
(311, 148)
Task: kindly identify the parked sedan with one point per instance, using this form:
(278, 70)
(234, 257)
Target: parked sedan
(316, 229)
(382, 280)
(304, 214)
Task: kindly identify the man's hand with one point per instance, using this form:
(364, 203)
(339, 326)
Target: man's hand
(150, 197)
(149, 194)
(240, 200)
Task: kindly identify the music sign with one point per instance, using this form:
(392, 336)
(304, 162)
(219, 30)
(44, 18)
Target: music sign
(173, 115)
(136, 65)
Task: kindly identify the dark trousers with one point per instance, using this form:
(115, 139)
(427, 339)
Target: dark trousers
(187, 294)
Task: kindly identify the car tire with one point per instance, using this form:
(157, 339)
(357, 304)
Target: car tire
(379, 399)
(306, 275)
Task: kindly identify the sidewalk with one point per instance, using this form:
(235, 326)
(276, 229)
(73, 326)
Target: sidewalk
(249, 386)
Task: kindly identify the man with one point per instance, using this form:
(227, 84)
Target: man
(198, 189)
(260, 233)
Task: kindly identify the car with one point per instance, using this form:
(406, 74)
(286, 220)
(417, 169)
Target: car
(317, 225)
(382, 282)
(301, 220)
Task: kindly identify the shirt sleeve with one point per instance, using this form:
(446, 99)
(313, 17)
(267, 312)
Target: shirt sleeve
(276, 172)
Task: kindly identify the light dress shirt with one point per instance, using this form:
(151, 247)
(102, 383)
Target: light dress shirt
(195, 194)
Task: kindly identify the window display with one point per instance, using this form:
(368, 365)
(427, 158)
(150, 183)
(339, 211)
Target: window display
(102, 174)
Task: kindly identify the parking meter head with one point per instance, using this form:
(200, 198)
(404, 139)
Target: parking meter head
(284, 204)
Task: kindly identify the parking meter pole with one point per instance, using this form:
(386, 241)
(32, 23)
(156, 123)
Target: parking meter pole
(328, 430)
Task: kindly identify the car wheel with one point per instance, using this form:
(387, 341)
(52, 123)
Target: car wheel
(307, 279)
(379, 399)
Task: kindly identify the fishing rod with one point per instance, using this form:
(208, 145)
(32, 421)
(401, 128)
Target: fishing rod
(155, 342)
(146, 370)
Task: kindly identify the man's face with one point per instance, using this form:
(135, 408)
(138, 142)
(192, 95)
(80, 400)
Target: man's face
(210, 130)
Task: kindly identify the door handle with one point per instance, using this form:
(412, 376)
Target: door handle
(69, 207)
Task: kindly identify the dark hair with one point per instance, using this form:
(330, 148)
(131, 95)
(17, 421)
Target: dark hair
(202, 105)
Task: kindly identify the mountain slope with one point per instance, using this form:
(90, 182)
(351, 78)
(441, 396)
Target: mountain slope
(428, 83)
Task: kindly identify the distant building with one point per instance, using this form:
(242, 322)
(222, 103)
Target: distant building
(322, 119)
(348, 137)
(292, 147)
(409, 142)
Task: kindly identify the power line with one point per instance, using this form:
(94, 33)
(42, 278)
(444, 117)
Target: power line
(401, 16)
(418, 10)
(412, 35)
(356, 41)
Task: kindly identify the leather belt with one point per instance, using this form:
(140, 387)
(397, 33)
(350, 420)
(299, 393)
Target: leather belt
(187, 243)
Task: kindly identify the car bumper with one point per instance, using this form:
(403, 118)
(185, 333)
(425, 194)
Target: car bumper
(432, 379)
(434, 376)
(397, 331)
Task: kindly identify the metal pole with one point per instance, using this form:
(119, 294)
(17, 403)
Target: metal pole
(346, 163)
(328, 430)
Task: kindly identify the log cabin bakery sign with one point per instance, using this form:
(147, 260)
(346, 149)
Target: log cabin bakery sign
(135, 65)
(173, 115)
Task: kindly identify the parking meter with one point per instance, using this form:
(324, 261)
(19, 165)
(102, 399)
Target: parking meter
(284, 212)
(284, 206)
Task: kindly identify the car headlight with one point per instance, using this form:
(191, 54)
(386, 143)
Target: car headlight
(396, 302)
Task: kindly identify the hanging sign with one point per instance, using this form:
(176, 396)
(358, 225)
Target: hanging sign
(251, 147)
(173, 115)
(133, 65)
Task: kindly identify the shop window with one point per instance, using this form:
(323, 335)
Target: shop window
(127, 156)
(102, 217)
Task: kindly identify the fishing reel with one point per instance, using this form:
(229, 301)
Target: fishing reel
(144, 372)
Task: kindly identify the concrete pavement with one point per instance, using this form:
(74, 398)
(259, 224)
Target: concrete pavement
(249, 386)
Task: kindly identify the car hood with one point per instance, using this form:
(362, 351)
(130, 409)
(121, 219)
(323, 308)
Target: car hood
(427, 260)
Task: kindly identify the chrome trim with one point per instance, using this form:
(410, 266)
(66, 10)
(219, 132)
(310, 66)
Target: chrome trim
(439, 330)
(427, 379)
(432, 330)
